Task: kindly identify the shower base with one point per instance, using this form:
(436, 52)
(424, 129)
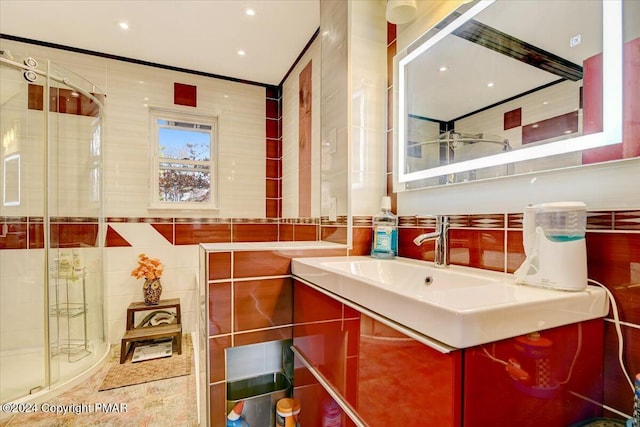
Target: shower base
(22, 373)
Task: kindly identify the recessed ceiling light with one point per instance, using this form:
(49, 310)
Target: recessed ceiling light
(490, 84)
(249, 12)
(242, 53)
(545, 103)
(443, 68)
(123, 25)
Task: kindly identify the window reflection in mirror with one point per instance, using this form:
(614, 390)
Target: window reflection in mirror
(505, 87)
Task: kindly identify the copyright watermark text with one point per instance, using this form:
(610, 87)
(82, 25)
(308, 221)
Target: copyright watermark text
(64, 408)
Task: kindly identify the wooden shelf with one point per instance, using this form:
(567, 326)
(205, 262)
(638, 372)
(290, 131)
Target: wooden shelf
(133, 334)
(135, 307)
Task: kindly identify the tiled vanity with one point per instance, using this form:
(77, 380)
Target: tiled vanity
(246, 297)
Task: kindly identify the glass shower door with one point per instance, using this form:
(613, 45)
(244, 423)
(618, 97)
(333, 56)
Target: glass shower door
(75, 292)
(22, 255)
(51, 273)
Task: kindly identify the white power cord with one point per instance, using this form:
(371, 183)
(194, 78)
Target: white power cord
(616, 321)
(575, 355)
(511, 362)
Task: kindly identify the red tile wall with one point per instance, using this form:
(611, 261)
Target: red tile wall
(184, 94)
(550, 128)
(65, 232)
(193, 231)
(64, 101)
(630, 146)
(250, 301)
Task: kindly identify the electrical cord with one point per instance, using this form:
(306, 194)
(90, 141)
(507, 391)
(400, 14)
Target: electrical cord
(616, 321)
(492, 357)
(512, 362)
(575, 355)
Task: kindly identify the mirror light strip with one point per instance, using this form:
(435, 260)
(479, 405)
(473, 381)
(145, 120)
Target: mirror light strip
(612, 102)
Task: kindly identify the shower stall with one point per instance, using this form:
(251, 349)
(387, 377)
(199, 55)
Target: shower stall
(52, 327)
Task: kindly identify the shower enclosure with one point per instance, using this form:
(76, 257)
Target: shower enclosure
(51, 274)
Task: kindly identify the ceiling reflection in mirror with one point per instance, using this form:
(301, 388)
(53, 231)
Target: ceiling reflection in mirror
(496, 89)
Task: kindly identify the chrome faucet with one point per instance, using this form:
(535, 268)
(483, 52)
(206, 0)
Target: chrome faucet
(441, 237)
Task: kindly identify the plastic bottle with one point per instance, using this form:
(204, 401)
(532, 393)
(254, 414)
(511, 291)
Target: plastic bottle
(384, 243)
(287, 412)
(331, 413)
(234, 418)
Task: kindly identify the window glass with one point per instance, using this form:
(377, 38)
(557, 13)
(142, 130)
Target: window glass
(184, 163)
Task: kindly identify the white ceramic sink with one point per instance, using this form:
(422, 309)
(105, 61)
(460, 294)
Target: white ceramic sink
(458, 306)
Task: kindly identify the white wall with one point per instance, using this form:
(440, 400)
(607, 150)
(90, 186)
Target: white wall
(368, 61)
(131, 89)
(334, 128)
(240, 109)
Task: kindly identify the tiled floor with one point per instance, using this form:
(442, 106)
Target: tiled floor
(164, 403)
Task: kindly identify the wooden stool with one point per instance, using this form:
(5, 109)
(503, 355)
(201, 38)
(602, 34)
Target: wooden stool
(133, 334)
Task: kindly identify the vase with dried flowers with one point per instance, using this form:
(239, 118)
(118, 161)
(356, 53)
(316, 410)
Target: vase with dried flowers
(150, 269)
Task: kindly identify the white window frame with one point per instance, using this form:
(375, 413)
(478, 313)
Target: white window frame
(154, 195)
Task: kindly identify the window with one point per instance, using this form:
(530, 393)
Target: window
(184, 163)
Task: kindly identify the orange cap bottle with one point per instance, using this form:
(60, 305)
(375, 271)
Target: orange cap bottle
(287, 411)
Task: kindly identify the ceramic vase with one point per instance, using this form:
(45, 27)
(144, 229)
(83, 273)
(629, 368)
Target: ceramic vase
(152, 289)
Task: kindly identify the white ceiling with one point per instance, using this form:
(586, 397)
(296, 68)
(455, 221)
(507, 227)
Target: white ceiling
(198, 35)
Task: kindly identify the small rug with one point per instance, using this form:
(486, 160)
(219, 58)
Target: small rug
(128, 373)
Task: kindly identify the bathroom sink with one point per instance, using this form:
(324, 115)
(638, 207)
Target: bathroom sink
(458, 306)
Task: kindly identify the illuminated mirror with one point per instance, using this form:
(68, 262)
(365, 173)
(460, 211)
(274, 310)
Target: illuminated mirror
(498, 87)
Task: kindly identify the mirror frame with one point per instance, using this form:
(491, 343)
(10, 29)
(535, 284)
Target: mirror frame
(611, 97)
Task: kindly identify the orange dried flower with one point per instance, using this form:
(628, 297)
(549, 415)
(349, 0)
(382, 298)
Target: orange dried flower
(148, 268)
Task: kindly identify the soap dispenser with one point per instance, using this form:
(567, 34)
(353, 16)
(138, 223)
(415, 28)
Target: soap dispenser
(384, 242)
